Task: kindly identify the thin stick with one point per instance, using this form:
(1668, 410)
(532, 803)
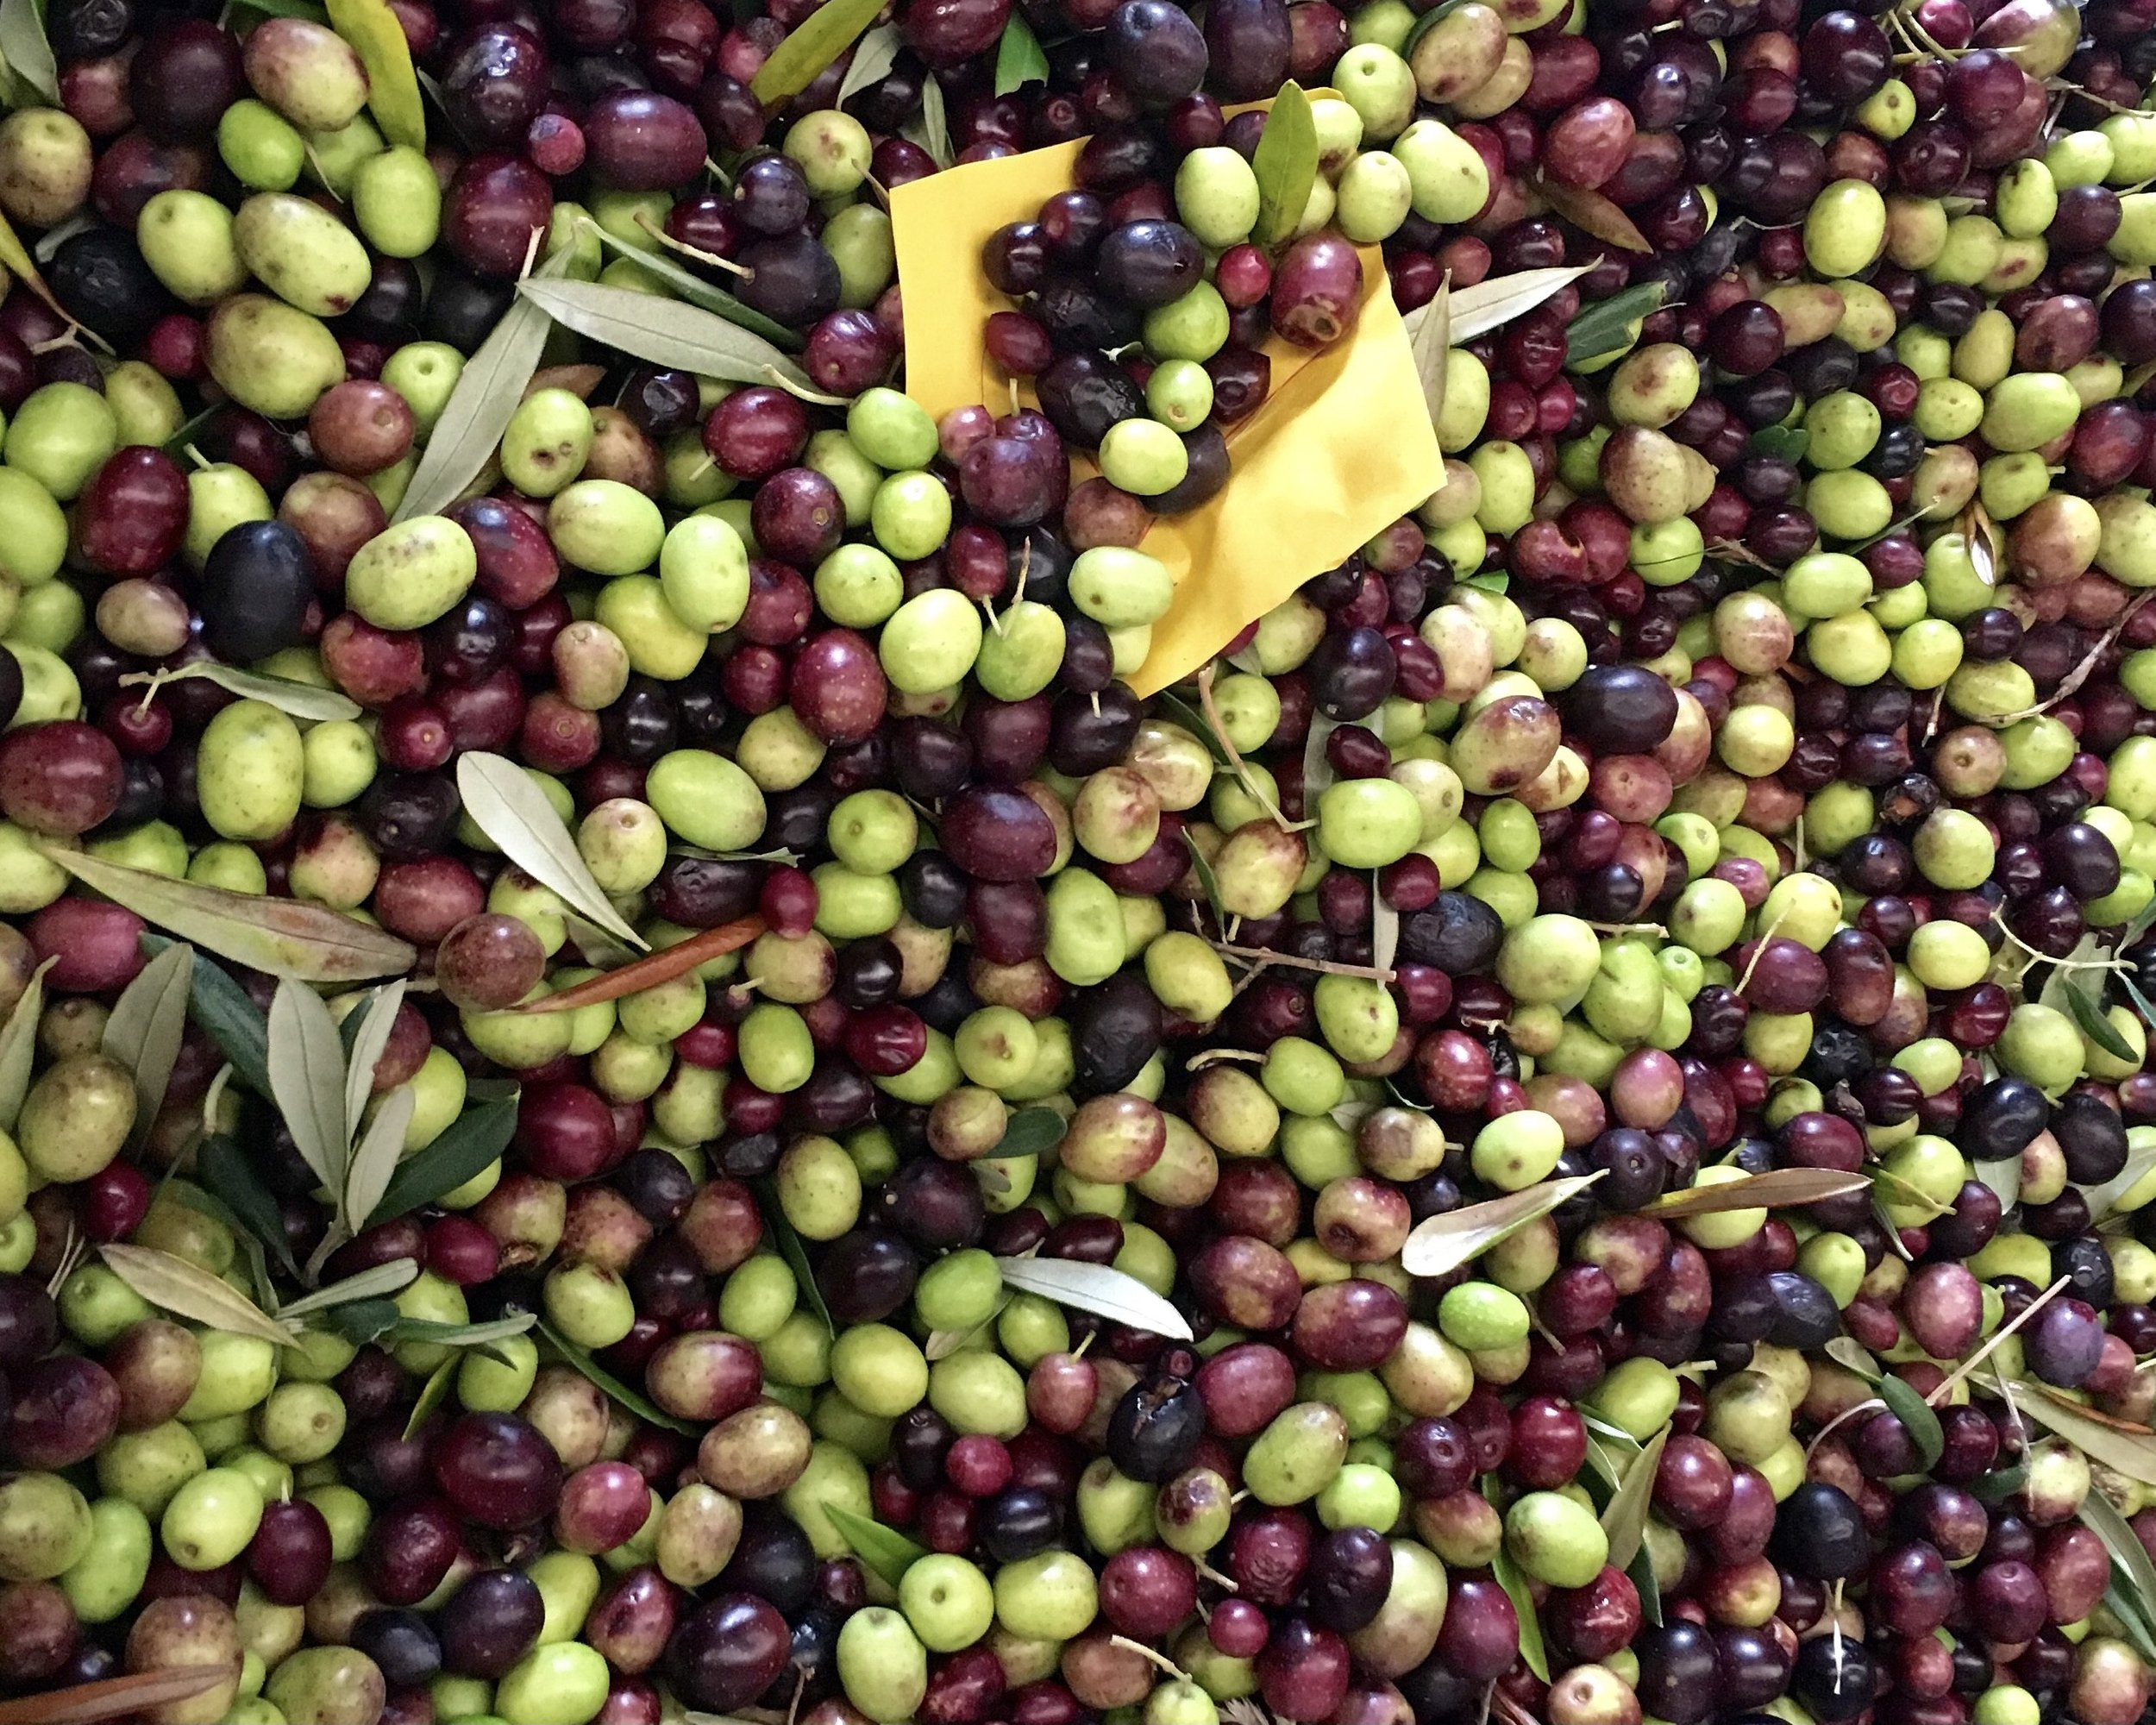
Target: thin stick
(1243, 773)
(1295, 962)
(1977, 1358)
(2081, 673)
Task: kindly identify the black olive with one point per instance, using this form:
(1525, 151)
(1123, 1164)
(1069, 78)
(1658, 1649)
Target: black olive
(1155, 1429)
(2093, 1137)
(2088, 1264)
(255, 587)
(463, 311)
(1999, 1119)
(1459, 935)
(1834, 1678)
(1819, 1532)
(100, 276)
(1115, 1029)
(1805, 1314)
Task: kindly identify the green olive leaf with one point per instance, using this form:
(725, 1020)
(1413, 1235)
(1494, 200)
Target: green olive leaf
(306, 1071)
(1915, 1414)
(227, 1177)
(1441, 1245)
(616, 1391)
(392, 90)
(1605, 327)
(1431, 347)
(283, 936)
(1020, 60)
(144, 1033)
(2131, 1612)
(24, 46)
(364, 1320)
(374, 1157)
(2001, 1483)
(1286, 163)
(466, 1147)
(875, 54)
(1495, 301)
(698, 291)
(931, 128)
(787, 1238)
(439, 1383)
(1641, 1571)
(1523, 1604)
(1625, 1517)
(1850, 1354)
(1777, 1189)
(488, 392)
(1208, 882)
(227, 1017)
(2097, 1027)
(18, 1045)
(885, 1550)
(664, 332)
(1194, 721)
(505, 806)
(810, 47)
(189, 1291)
(2127, 1452)
(1097, 1288)
(1030, 1131)
(370, 1026)
(374, 1282)
(2128, 1554)
(1780, 442)
(300, 701)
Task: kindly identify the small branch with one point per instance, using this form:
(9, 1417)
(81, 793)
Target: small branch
(1842, 1417)
(1243, 773)
(1330, 967)
(1977, 1358)
(2081, 673)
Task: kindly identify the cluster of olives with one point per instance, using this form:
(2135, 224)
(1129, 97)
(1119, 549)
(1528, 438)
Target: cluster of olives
(989, 1292)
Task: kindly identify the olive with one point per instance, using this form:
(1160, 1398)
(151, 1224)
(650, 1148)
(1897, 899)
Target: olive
(1819, 1532)
(255, 590)
(99, 276)
(1154, 1432)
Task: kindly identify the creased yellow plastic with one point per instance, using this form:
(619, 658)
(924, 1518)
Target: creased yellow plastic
(1341, 447)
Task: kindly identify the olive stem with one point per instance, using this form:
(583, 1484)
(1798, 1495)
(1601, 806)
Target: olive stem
(1213, 1056)
(1206, 1572)
(1846, 1413)
(1759, 951)
(1152, 1656)
(2039, 957)
(1947, 1384)
(1629, 928)
(1261, 957)
(686, 250)
(2081, 673)
(1235, 758)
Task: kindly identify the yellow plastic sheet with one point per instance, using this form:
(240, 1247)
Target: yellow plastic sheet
(1341, 447)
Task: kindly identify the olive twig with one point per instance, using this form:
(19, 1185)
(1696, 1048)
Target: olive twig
(2038, 956)
(1206, 1572)
(1842, 1417)
(1630, 928)
(1295, 962)
(1947, 1384)
(1235, 762)
(1151, 1655)
(2074, 679)
(697, 252)
(1759, 951)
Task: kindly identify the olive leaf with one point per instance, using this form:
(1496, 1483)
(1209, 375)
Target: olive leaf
(1641, 1572)
(1495, 301)
(371, 1025)
(2097, 1027)
(188, 1291)
(1208, 882)
(1780, 443)
(227, 1017)
(1605, 327)
(1431, 347)
(1019, 58)
(282, 936)
(697, 291)
(226, 1174)
(1286, 163)
(1908, 1406)
(810, 47)
(1851, 1355)
(2132, 1614)
(306, 1073)
(1191, 719)
(436, 1392)
(24, 268)
(875, 54)
(787, 1238)
(374, 1157)
(664, 332)
(1030, 1131)
(376, 1282)
(488, 392)
(2127, 1452)
(1523, 1604)
(1995, 1487)
(2103, 1199)
(1624, 1516)
(24, 46)
(930, 129)
(885, 1550)
(393, 90)
(135, 1695)
(1593, 215)
(465, 1148)
(1775, 1189)
(510, 810)
(1096, 1288)
(364, 1320)
(1384, 925)
(1987, 544)
(18, 1045)
(1443, 1243)
(143, 1034)
(2129, 1557)
(297, 700)
(614, 1389)
(2137, 379)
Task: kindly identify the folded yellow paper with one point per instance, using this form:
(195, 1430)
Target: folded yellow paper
(1341, 447)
